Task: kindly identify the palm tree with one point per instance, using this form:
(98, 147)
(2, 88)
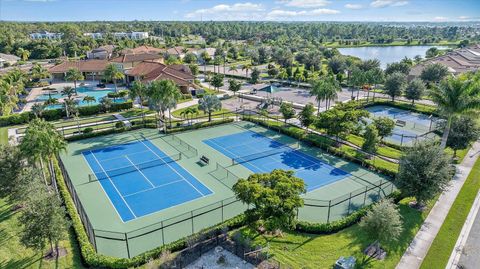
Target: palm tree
(17, 79)
(138, 90)
(112, 73)
(8, 100)
(43, 142)
(68, 92)
(191, 110)
(89, 99)
(246, 67)
(39, 72)
(163, 95)
(323, 88)
(23, 53)
(455, 97)
(38, 109)
(331, 93)
(209, 104)
(73, 74)
(233, 68)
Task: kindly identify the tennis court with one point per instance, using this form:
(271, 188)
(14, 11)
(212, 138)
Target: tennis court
(261, 154)
(129, 175)
(410, 125)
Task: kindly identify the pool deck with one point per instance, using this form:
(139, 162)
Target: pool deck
(36, 92)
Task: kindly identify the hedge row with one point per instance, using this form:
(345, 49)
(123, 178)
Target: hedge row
(335, 226)
(199, 125)
(56, 114)
(345, 152)
(419, 108)
(136, 124)
(93, 259)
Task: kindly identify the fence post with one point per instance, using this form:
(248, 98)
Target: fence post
(392, 188)
(365, 196)
(222, 210)
(328, 215)
(191, 216)
(163, 234)
(128, 248)
(401, 141)
(349, 204)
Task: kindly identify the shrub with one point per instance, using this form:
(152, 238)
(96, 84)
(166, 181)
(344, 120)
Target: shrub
(88, 130)
(119, 124)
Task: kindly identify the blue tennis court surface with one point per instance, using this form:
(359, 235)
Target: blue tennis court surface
(269, 154)
(140, 179)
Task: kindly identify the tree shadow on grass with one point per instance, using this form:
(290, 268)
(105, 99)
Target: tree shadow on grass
(21, 263)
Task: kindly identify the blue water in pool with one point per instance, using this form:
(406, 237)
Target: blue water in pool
(82, 92)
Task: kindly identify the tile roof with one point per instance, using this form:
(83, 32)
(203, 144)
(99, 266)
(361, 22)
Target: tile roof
(128, 58)
(143, 49)
(83, 66)
(9, 57)
(151, 70)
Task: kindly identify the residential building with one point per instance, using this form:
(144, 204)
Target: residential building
(177, 51)
(94, 35)
(148, 71)
(91, 69)
(131, 35)
(8, 59)
(103, 52)
(143, 49)
(457, 61)
(46, 35)
(128, 61)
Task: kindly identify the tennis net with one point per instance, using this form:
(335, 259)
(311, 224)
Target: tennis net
(251, 157)
(105, 174)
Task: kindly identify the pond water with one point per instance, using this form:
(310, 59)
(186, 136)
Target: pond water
(388, 54)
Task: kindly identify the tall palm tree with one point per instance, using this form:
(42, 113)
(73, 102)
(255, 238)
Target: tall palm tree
(209, 104)
(455, 97)
(321, 89)
(331, 93)
(68, 92)
(38, 109)
(112, 73)
(139, 90)
(17, 79)
(89, 99)
(233, 68)
(43, 142)
(73, 74)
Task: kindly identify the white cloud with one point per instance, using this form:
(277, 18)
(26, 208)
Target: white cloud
(286, 14)
(388, 3)
(305, 3)
(464, 17)
(440, 18)
(353, 6)
(226, 10)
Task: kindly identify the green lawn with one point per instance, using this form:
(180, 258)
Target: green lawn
(4, 135)
(300, 250)
(442, 246)
(13, 255)
(178, 113)
(382, 150)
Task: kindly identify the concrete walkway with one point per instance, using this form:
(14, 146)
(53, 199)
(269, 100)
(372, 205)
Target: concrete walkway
(418, 249)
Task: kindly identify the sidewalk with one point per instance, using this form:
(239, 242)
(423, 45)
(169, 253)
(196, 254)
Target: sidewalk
(418, 249)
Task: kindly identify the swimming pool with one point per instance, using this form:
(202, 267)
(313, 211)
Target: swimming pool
(97, 93)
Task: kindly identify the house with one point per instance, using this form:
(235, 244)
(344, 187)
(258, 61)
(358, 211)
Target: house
(177, 51)
(103, 52)
(128, 61)
(143, 49)
(199, 52)
(457, 61)
(148, 71)
(132, 35)
(46, 35)
(94, 35)
(91, 69)
(8, 59)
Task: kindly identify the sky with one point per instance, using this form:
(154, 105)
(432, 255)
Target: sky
(238, 10)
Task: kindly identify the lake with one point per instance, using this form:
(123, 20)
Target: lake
(388, 54)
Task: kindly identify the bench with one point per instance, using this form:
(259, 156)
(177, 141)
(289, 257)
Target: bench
(204, 160)
(400, 123)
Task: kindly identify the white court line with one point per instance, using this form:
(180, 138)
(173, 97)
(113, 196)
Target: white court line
(173, 169)
(131, 211)
(126, 157)
(101, 186)
(156, 187)
(118, 157)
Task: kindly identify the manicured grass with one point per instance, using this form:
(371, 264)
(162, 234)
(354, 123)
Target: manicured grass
(178, 113)
(382, 149)
(444, 242)
(4, 135)
(13, 255)
(300, 250)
